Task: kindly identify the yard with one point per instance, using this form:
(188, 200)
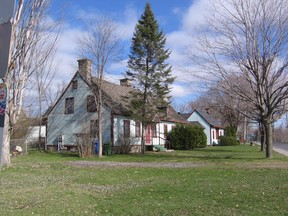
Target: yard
(213, 181)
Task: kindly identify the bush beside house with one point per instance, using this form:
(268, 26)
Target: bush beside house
(230, 138)
(228, 141)
(231, 131)
(186, 137)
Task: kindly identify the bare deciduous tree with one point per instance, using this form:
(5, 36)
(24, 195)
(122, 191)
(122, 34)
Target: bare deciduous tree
(102, 45)
(222, 106)
(44, 76)
(27, 33)
(51, 94)
(248, 40)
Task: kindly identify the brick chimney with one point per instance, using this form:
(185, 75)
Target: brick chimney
(85, 68)
(125, 82)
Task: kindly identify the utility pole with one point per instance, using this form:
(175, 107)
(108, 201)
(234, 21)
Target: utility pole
(6, 15)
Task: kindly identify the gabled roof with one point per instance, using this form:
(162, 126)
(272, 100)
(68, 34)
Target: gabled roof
(112, 93)
(209, 119)
(113, 96)
(172, 116)
(185, 115)
(49, 110)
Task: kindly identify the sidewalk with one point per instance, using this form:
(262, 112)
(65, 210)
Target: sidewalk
(281, 151)
(277, 149)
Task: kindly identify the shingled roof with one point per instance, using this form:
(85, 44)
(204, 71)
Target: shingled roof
(113, 97)
(119, 105)
(185, 115)
(172, 116)
(210, 119)
(206, 116)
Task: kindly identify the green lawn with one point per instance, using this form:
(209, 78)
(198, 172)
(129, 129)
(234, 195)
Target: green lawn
(226, 181)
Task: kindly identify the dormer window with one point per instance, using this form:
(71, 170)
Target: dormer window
(74, 84)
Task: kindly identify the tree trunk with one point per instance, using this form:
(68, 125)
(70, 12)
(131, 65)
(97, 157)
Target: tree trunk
(40, 122)
(262, 136)
(100, 127)
(143, 138)
(269, 139)
(100, 76)
(5, 157)
(245, 128)
(39, 138)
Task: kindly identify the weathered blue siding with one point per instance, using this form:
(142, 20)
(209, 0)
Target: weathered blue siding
(68, 125)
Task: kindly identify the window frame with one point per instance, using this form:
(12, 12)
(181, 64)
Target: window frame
(69, 105)
(74, 84)
(165, 130)
(137, 129)
(90, 100)
(126, 128)
(154, 130)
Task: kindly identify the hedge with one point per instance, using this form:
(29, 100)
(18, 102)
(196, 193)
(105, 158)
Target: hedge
(186, 137)
(228, 141)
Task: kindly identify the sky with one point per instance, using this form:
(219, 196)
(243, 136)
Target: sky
(177, 19)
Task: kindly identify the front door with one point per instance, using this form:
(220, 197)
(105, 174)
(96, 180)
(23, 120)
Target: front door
(148, 135)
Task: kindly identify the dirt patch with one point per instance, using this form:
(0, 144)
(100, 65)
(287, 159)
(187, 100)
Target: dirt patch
(133, 164)
(250, 165)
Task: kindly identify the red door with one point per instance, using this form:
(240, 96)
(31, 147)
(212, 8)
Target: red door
(148, 135)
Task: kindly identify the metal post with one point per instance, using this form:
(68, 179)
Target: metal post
(6, 15)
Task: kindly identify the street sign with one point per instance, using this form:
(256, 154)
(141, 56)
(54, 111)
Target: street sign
(5, 39)
(6, 10)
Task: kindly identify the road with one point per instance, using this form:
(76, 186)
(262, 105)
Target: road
(282, 148)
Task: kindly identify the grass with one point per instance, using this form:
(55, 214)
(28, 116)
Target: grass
(229, 181)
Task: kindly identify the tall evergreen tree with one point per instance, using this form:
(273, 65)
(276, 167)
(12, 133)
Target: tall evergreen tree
(149, 73)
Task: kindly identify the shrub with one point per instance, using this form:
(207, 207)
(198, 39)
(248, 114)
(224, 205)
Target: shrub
(231, 131)
(124, 145)
(228, 141)
(84, 145)
(185, 137)
(199, 139)
(149, 148)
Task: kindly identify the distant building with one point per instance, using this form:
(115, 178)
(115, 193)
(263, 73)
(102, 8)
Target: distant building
(212, 127)
(33, 134)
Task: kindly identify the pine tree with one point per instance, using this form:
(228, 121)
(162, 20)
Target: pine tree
(148, 71)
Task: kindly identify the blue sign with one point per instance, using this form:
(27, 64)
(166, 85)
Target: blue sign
(6, 10)
(5, 40)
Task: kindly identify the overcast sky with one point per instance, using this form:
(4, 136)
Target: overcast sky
(178, 20)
